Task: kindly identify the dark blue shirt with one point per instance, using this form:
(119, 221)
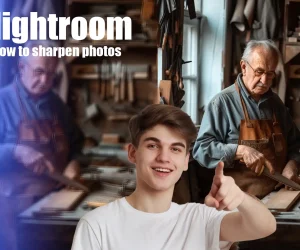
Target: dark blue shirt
(219, 131)
(45, 107)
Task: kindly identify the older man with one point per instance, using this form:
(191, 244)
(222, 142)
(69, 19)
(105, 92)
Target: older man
(37, 135)
(248, 127)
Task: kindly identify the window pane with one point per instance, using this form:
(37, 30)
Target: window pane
(186, 49)
(198, 4)
(190, 70)
(190, 98)
(190, 49)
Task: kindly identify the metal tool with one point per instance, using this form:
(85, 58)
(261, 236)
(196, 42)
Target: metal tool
(67, 181)
(274, 212)
(280, 178)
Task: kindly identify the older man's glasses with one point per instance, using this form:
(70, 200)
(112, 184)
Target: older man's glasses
(260, 72)
(37, 72)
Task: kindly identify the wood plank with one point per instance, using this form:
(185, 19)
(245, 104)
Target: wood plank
(283, 200)
(165, 88)
(63, 200)
(291, 52)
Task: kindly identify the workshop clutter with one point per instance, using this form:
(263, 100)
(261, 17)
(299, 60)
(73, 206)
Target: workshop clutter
(115, 80)
(170, 39)
(119, 180)
(109, 169)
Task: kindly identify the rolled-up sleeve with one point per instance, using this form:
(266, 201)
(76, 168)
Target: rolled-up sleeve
(210, 146)
(85, 237)
(214, 219)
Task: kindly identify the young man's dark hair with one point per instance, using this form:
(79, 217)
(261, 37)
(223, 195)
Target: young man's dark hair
(160, 114)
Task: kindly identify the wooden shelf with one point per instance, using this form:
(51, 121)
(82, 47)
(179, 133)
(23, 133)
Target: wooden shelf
(292, 44)
(110, 2)
(291, 1)
(291, 50)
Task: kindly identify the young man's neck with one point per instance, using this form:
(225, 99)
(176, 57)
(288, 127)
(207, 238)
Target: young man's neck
(151, 202)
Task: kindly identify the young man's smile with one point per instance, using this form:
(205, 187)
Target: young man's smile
(162, 171)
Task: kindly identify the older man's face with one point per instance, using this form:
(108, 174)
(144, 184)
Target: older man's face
(37, 73)
(259, 72)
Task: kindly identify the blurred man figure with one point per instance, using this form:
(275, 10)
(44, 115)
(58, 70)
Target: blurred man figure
(37, 135)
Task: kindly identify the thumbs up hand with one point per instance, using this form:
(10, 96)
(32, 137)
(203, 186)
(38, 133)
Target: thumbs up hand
(224, 193)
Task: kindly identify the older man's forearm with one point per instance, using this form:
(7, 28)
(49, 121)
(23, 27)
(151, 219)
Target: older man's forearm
(210, 154)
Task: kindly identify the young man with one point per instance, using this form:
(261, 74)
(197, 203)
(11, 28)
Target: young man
(147, 219)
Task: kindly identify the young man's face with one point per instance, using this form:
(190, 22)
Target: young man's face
(160, 158)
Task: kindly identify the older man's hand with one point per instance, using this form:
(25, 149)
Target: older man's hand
(290, 171)
(32, 159)
(253, 159)
(72, 170)
(224, 193)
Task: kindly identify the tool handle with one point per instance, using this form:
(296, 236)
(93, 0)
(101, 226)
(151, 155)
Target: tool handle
(262, 170)
(95, 204)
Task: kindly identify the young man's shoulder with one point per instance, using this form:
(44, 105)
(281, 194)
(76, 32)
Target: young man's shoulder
(103, 213)
(199, 210)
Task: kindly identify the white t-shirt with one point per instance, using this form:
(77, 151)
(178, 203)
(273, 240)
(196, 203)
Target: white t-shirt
(119, 226)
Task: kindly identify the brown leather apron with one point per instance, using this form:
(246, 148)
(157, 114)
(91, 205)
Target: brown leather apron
(20, 188)
(266, 137)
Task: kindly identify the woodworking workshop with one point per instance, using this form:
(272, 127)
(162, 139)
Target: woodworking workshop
(149, 124)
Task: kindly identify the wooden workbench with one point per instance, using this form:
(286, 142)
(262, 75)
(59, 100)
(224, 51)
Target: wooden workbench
(57, 231)
(287, 235)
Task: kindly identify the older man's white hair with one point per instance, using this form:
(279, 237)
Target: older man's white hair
(267, 45)
(36, 43)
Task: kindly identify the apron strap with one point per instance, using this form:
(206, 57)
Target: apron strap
(275, 122)
(249, 124)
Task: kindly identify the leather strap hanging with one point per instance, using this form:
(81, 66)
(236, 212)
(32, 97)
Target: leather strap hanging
(245, 111)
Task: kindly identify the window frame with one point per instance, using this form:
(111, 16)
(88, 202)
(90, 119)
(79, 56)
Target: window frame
(192, 89)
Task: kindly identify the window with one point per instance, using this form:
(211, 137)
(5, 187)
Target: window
(198, 6)
(190, 71)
